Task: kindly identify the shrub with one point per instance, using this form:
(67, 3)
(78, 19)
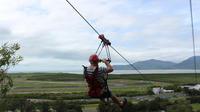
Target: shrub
(24, 105)
(142, 106)
(61, 106)
(174, 87)
(19, 104)
(44, 106)
(194, 99)
(108, 107)
(191, 92)
(180, 106)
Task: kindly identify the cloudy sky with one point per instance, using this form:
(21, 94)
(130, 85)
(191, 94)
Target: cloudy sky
(54, 38)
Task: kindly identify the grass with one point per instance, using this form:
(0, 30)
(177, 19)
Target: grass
(90, 107)
(121, 85)
(170, 78)
(38, 82)
(196, 106)
(178, 78)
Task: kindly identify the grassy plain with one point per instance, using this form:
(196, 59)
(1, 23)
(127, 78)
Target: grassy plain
(65, 86)
(69, 83)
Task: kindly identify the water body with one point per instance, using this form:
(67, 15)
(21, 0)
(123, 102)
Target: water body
(146, 71)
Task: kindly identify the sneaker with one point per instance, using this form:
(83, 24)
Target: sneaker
(124, 103)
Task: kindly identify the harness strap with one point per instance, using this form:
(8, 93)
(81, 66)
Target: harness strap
(104, 85)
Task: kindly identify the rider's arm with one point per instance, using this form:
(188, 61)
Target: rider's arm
(108, 65)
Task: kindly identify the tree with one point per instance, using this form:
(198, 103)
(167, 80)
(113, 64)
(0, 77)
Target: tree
(60, 106)
(180, 106)
(8, 59)
(44, 106)
(108, 107)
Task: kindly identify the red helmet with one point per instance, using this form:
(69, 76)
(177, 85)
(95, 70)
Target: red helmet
(94, 58)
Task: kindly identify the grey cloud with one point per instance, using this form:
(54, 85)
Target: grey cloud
(68, 54)
(5, 33)
(41, 46)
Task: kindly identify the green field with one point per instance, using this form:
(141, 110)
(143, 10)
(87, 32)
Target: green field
(71, 87)
(68, 83)
(196, 106)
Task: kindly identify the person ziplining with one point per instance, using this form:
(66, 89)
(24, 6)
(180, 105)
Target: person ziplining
(96, 77)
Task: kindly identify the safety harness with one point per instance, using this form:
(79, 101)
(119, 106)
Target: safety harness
(97, 89)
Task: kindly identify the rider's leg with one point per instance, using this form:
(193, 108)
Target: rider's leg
(116, 100)
(103, 100)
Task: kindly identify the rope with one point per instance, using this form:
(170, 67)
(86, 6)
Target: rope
(109, 53)
(193, 38)
(101, 50)
(98, 47)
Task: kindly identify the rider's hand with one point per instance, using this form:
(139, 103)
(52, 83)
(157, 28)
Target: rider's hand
(104, 60)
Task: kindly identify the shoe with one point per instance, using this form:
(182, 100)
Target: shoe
(124, 103)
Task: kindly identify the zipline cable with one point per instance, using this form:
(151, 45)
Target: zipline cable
(128, 62)
(193, 38)
(83, 17)
(103, 46)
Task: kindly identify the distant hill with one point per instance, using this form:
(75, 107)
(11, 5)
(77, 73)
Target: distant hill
(188, 63)
(148, 64)
(159, 64)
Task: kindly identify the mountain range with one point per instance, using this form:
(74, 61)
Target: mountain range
(153, 64)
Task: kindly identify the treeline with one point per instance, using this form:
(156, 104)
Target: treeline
(50, 96)
(156, 105)
(24, 105)
(55, 77)
(69, 96)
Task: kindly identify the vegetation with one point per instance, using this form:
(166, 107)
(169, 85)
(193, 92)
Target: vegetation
(194, 99)
(55, 77)
(8, 59)
(191, 92)
(50, 96)
(24, 105)
(149, 106)
(175, 87)
(196, 107)
(176, 78)
(44, 88)
(180, 106)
